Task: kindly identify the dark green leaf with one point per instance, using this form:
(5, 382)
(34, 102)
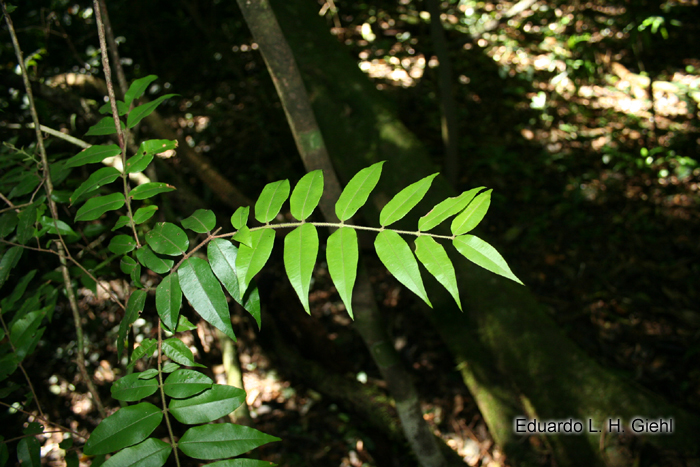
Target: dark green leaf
(56, 227)
(300, 251)
(445, 209)
(152, 261)
(8, 365)
(121, 244)
(398, 258)
(99, 178)
(221, 440)
(8, 222)
(208, 406)
(436, 261)
(472, 215)
(121, 222)
(130, 388)
(222, 259)
(150, 453)
(270, 201)
(137, 88)
(138, 162)
(157, 146)
(136, 275)
(9, 302)
(122, 108)
(405, 200)
(26, 184)
(25, 333)
(95, 207)
(127, 426)
(105, 126)
(149, 190)
(143, 214)
(184, 324)
(201, 221)
(482, 254)
(169, 300)
(145, 349)
(240, 217)
(250, 261)
(134, 307)
(186, 383)
(144, 110)
(306, 195)
(356, 192)
(94, 154)
(177, 351)
(25, 224)
(33, 428)
(251, 302)
(29, 452)
(127, 264)
(342, 257)
(204, 292)
(168, 239)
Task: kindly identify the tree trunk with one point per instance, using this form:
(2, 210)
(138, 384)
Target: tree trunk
(512, 356)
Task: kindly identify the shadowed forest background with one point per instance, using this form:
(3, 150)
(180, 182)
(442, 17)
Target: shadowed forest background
(581, 116)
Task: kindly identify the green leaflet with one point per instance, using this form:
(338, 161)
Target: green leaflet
(243, 236)
(251, 302)
(29, 452)
(157, 146)
(436, 261)
(143, 214)
(445, 209)
(405, 200)
(168, 239)
(169, 301)
(138, 162)
(94, 154)
(8, 302)
(145, 349)
(300, 252)
(131, 388)
(356, 192)
(240, 217)
(306, 195)
(144, 110)
(210, 405)
(482, 254)
(122, 108)
(270, 201)
(99, 178)
(241, 463)
(171, 366)
(250, 261)
(221, 440)
(121, 244)
(127, 426)
(123, 221)
(55, 226)
(25, 333)
(186, 383)
(201, 221)
(127, 264)
(136, 276)
(148, 374)
(472, 215)
(25, 224)
(134, 307)
(152, 261)
(27, 183)
(8, 222)
(204, 292)
(342, 257)
(178, 352)
(398, 258)
(137, 88)
(95, 207)
(151, 453)
(105, 126)
(149, 190)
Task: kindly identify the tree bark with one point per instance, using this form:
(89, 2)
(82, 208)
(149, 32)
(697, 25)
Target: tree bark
(512, 356)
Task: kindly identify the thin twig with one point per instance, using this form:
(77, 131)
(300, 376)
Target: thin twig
(52, 132)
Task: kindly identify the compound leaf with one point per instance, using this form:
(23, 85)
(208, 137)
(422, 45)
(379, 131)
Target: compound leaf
(99, 178)
(270, 201)
(144, 110)
(210, 405)
(398, 258)
(131, 388)
(482, 254)
(204, 292)
(300, 251)
(306, 195)
(168, 239)
(436, 261)
(472, 215)
(221, 440)
(445, 209)
(94, 154)
(149, 190)
(356, 192)
(152, 261)
(201, 221)
(405, 200)
(127, 426)
(95, 207)
(169, 301)
(151, 453)
(250, 260)
(186, 383)
(342, 257)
